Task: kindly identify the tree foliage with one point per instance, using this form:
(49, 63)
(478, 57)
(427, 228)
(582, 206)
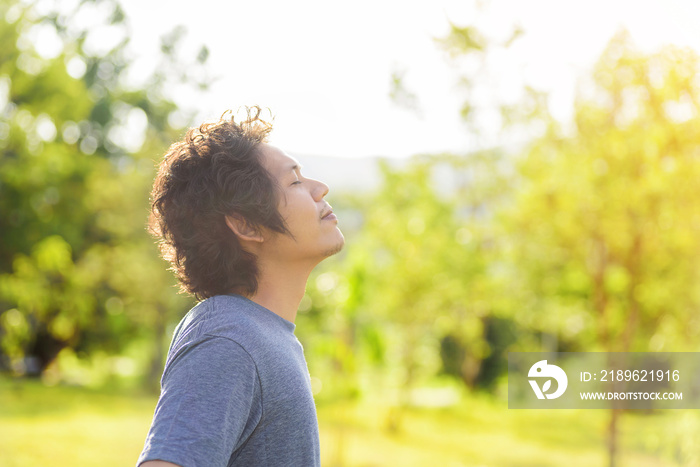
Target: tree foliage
(78, 142)
(606, 217)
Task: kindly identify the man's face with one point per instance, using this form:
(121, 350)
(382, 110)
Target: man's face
(308, 216)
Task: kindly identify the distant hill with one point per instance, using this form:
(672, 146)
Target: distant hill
(344, 173)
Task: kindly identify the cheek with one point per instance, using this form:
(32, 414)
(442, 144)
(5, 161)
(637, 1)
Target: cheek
(299, 211)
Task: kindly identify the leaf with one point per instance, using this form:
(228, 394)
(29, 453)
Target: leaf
(546, 385)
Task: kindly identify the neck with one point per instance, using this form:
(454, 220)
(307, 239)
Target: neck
(281, 288)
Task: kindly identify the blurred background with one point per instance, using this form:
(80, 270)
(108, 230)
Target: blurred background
(509, 176)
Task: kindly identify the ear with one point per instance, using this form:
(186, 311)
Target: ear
(243, 229)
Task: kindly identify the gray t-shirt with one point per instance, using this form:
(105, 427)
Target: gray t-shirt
(235, 391)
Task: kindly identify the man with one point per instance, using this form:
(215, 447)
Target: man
(242, 228)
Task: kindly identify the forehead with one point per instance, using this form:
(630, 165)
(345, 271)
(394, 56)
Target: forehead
(276, 161)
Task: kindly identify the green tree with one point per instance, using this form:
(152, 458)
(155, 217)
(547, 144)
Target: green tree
(605, 228)
(78, 141)
(424, 268)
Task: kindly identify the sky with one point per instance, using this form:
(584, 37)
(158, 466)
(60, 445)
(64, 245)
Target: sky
(324, 68)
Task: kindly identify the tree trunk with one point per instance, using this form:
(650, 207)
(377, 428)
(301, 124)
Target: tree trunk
(43, 350)
(612, 437)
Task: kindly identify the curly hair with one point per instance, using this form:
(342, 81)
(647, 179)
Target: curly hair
(213, 172)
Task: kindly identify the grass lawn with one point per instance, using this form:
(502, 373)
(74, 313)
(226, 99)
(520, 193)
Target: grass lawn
(70, 426)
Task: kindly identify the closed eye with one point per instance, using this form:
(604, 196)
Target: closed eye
(297, 182)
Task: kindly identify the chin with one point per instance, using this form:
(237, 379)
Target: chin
(335, 248)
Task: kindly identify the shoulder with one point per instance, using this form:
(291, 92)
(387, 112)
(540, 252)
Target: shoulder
(210, 357)
(220, 326)
(263, 335)
(219, 316)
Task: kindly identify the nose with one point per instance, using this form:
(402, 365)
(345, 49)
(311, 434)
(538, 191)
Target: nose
(320, 190)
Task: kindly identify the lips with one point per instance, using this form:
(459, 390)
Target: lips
(328, 214)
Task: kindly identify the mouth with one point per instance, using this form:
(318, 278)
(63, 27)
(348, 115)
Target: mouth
(328, 215)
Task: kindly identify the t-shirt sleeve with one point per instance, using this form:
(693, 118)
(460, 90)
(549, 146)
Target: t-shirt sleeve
(209, 405)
